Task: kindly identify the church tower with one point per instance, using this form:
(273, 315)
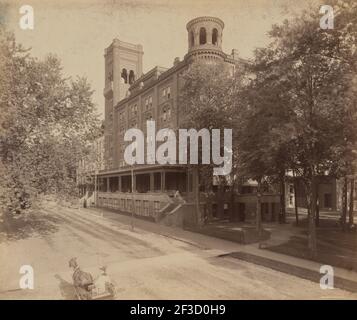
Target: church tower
(123, 65)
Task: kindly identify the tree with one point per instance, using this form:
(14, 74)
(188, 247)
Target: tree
(207, 97)
(47, 121)
(307, 74)
(264, 130)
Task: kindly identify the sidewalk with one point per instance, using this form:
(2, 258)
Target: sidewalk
(306, 269)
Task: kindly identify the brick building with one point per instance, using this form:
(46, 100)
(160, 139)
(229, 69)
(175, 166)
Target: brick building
(133, 97)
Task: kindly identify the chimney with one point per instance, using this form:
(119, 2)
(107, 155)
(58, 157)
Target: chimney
(234, 54)
(176, 61)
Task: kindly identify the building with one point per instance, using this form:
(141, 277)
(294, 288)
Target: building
(133, 97)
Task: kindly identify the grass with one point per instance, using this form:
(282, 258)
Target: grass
(334, 247)
(227, 231)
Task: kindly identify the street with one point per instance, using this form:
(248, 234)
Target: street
(144, 264)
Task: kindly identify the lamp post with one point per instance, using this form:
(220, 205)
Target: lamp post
(95, 186)
(132, 199)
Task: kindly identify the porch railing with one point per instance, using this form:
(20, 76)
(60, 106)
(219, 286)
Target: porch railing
(145, 204)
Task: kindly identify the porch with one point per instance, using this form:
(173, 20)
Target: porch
(145, 191)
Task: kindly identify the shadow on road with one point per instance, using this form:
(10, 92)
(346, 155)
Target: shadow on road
(17, 227)
(66, 288)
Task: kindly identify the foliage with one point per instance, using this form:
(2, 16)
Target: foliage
(301, 108)
(46, 123)
(207, 98)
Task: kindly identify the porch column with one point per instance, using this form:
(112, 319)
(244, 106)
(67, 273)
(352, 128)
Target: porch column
(119, 182)
(163, 182)
(108, 185)
(134, 183)
(151, 182)
(187, 181)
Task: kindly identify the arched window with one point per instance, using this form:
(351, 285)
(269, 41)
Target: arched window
(203, 39)
(192, 39)
(131, 77)
(124, 75)
(214, 36)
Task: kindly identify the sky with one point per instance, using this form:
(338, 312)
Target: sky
(78, 31)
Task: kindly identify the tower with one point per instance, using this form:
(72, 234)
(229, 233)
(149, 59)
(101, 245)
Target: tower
(205, 38)
(123, 65)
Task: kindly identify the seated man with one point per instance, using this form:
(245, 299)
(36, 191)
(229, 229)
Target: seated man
(81, 280)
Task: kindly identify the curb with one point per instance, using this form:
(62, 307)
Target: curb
(290, 269)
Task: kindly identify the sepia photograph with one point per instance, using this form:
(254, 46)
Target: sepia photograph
(178, 150)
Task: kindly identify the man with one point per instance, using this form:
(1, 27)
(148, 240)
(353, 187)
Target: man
(81, 280)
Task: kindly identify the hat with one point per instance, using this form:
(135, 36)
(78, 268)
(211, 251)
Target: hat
(73, 262)
(103, 268)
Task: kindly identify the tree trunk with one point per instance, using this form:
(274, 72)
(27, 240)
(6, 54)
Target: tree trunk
(350, 213)
(220, 203)
(258, 211)
(311, 203)
(317, 214)
(232, 206)
(296, 201)
(344, 204)
(282, 216)
(197, 196)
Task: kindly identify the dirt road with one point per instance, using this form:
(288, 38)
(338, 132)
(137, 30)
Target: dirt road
(145, 265)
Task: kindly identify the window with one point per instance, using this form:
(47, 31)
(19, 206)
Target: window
(246, 189)
(166, 113)
(121, 121)
(122, 148)
(291, 188)
(148, 102)
(215, 36)
(124, 76)
(166, 93)
(131, 77)
(291, 200)
(192, 39)
(203, 39)
(328, 200)
(134, 109)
